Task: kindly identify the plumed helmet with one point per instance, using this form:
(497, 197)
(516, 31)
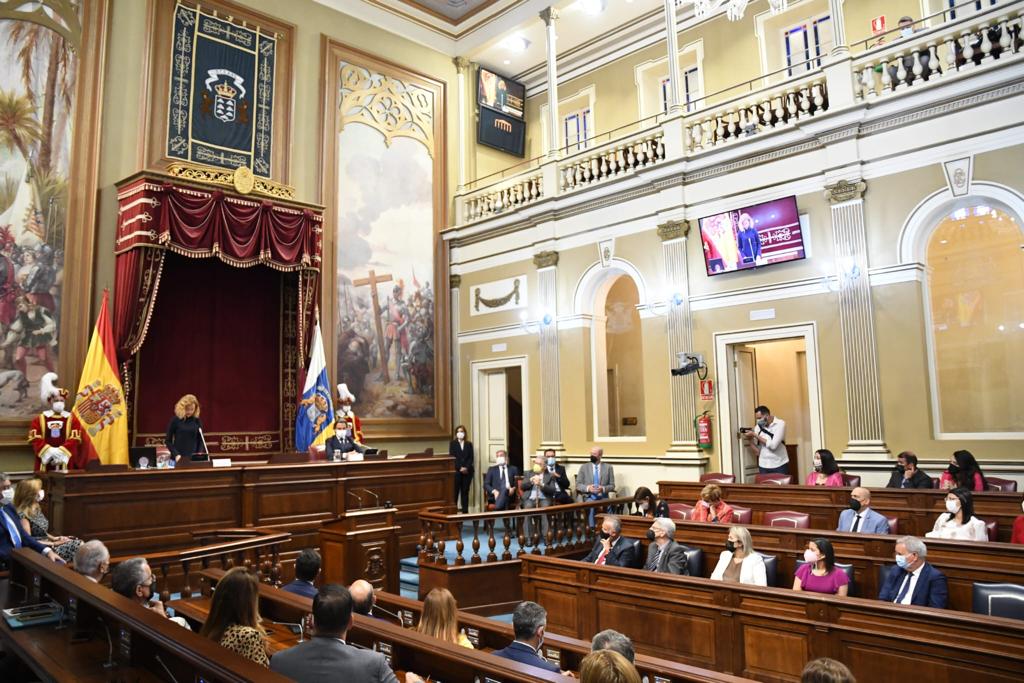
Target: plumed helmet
(344, 394)
(49, 391)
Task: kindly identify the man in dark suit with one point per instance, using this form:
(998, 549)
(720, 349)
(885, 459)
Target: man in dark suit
(560, 480)
(612, 549)
(595, 480)
(462, 450)
(913, 581)
(500, 482)
(307, 566)
(906, 475)
(664, 555)
(529, 621)
(13, 536)
(326, 656)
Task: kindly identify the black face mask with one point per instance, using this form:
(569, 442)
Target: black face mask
(605, 536)
(593, 459)
(650, 534)
(953, 469)
(900, 468)
(854, 504)
(730, 546)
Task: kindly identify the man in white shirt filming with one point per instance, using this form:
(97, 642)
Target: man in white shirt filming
(767, 440)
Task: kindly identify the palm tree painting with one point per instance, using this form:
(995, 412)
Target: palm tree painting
(38, 68)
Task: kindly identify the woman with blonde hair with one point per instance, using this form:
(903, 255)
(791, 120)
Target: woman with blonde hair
(440, 618)
(184, 434)
(710, 507)
(28, 495)
(607, 666)
(738, 562)
(234, 619)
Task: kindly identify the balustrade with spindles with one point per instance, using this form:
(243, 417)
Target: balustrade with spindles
(612, 159)
(491, 202)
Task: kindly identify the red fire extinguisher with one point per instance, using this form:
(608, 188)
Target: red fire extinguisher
(703, 426)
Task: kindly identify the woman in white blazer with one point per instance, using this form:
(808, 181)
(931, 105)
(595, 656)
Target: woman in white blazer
(738, 561)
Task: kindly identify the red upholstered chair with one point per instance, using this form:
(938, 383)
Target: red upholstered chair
(935, 482)
(851, 480)
(779, 479)
(742, 515)
(894, 524)
(317, 453)
(1004, 485)
(717, 478)
(680, 511)
(787, 518)
(993, 531)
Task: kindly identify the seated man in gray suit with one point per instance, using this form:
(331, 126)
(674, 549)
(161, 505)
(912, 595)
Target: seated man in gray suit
(860, 518)
(664, 555)
(538, 492)
(326, 656)
(596, 480)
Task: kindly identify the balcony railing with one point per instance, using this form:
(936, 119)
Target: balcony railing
(882, 65)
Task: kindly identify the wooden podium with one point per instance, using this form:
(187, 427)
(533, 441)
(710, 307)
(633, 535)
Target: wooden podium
(362, 544)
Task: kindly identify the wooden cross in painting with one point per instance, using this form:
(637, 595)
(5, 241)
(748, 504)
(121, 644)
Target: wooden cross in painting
(373, 280)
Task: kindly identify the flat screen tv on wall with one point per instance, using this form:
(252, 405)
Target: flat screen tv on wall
(502, 123)
(753, 236)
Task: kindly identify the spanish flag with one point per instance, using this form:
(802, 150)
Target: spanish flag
(100, 404)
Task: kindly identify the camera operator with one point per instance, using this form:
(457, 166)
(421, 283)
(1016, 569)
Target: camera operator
(767, 440)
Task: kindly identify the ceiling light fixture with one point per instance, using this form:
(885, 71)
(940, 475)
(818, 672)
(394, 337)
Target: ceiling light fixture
(734, 9)
(592, 7)
(515, 44)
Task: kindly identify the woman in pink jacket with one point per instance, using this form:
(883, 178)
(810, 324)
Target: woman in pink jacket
(826, 470)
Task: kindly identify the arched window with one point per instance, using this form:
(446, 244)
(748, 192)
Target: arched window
(975, 258)
(618, 359)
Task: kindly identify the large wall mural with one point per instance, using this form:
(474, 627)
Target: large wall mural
(388, 210)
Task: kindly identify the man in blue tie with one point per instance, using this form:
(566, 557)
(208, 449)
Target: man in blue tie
(913, 581)
(13, 536)
(595, 480)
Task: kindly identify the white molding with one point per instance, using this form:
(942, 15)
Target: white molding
(723, 399)
(762, 294)
(902, 272)
(590, 93)
(595, 276)
(496, 333)
(639, 73)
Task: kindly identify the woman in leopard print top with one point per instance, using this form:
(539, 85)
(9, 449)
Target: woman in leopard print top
(234, 619)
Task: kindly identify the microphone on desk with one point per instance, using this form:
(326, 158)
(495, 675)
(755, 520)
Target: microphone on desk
(378, 608)
(375, 496)
(292, 624)
(161, 663)
(206, 450)
(353, 493)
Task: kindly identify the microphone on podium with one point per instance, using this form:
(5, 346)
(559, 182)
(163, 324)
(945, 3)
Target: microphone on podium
(353, 493)
(375, 496)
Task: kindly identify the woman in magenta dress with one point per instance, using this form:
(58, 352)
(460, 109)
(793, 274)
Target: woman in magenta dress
(826, 470)
(963, 473)
(820, 574)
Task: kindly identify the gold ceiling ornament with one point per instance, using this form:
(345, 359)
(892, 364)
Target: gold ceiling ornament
(242, 179)
(388, 105)
(60, 16)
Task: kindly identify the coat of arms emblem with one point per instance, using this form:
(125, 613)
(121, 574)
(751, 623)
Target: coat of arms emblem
(98, 406)
(227, 88)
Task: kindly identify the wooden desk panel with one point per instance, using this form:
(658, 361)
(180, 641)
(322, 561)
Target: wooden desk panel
(963, 562)
(770, 633)
(916, 509)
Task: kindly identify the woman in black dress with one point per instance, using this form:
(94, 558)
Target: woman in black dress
(183, 436)
(462, 450)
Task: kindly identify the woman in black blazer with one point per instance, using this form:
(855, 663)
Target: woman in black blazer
(462, 450)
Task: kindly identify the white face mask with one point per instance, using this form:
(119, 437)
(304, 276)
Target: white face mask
(500, 462)
(906, 31)
(58, 406)
(952, 506)
(8, 495)
(460, 435)
(41, 496)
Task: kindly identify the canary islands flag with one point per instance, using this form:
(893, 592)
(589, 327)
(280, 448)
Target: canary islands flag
(100, 403)
(314, 420)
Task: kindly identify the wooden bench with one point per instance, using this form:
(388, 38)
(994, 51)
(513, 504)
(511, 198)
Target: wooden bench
(963, 562)
(771, 633)
(488, 635)
(916, 509)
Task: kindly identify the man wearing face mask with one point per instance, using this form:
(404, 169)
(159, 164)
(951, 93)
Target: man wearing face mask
(500, 482)
(529, 620)
(907, 30)
(906, 475)
(55, 434)
(6, 490)
(860, 518)
(664, 555)
(595, 481)
(134, 580)
(913, 581)
(611, 549)
(563, 491)
(767, 440)
(538, 491)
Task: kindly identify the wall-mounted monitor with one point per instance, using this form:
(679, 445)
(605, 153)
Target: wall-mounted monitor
(501, 123)
(753, 236)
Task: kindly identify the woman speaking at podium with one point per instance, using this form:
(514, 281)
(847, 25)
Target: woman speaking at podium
(185, 433)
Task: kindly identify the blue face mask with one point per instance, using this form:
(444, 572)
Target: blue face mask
(551, 462)
(902, 562)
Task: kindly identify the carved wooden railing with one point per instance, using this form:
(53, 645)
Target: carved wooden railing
(257, 549)
(892, 63)
(563, 529)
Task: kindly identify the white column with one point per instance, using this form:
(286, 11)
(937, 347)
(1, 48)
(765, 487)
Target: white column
(550, 396)
(674, 74)
(549, 16)
(454, 282)
(857, 321)
(462, 68)
(835, 13)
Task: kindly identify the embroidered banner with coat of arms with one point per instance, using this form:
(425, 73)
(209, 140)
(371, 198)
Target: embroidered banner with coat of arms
(221, 92)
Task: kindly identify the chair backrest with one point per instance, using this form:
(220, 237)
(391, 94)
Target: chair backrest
(718, 478)
(741, 515)
(894, 525)
(639, 556)
(883, 573)
(787, 518)
(935, 482)
(851, 480)
(993, 531)
(998, 484)
(998, 600)
(779, 479)
(318, 452)
(694, 561)
(771, 568)
(680, 511)
(847, 568)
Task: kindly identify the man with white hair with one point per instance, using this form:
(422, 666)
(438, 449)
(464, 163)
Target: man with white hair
(92, 560)
(664, 555)
(913, 581)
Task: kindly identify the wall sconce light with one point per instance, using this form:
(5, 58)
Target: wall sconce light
(535, 326)
(663, 306)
